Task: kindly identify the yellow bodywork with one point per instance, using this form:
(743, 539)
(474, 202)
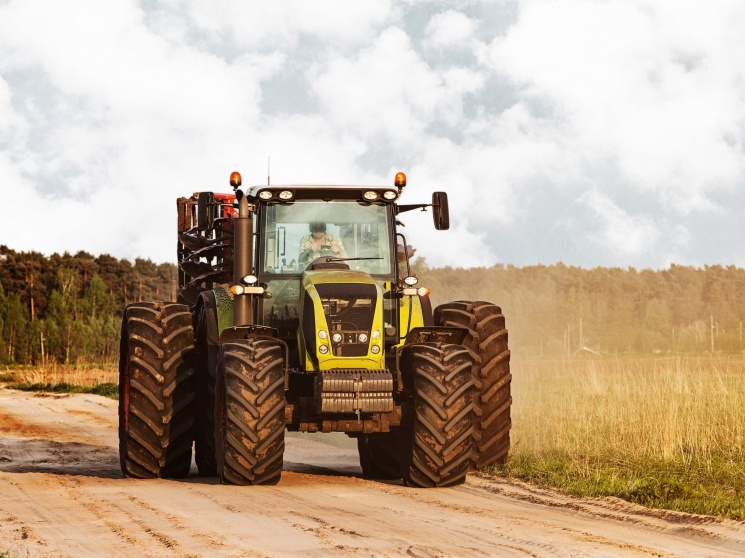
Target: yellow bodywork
(329, 361)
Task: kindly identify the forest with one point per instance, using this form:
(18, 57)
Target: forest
(66, 309)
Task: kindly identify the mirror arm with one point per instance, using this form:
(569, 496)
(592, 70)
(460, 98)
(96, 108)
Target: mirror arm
(403, 208)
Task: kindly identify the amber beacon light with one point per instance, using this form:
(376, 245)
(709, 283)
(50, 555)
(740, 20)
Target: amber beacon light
(235, 179)
(400, 180)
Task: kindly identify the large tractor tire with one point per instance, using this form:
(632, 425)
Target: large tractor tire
(250, 412)
(487, 340)
(205, 333)
(438, 427)
(380, 455)
(156, 390)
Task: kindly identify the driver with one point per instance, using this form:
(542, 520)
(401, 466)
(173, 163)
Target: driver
(318, 244)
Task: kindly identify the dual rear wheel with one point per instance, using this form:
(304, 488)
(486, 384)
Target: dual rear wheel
(240, 413)
(156, 393)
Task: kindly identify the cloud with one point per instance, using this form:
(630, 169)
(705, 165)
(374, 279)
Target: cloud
(651, 86)
(449, 29)
(542, 119)
(618, 230)
(387, 92)
(280, 25)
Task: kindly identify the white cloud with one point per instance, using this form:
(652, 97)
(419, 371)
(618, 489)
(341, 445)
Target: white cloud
(653, 86)
(634, 107)
(449, 29)
(272, 25)
(388, 93)
(619, 230)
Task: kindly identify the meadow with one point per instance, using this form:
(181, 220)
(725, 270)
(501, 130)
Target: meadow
(665, 432)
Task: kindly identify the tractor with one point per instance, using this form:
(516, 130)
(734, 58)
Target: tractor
(297, 311)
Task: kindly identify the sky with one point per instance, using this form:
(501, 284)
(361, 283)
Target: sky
(591, 132)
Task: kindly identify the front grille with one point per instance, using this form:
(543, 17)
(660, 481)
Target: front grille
(349, 311)
(353, 350)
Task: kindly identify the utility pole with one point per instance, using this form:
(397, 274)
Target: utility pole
(711, 330)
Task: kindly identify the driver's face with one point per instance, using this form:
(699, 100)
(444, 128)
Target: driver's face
(318, 235)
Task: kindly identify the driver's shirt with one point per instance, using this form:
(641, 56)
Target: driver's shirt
(308, 245)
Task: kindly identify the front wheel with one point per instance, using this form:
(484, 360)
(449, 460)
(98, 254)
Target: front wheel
(437, 432)
(250, 412)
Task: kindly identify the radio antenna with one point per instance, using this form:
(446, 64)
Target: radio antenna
(268, 170)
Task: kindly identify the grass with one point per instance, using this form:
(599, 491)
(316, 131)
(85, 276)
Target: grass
(106, 389)
(662, 432)
(65, 379)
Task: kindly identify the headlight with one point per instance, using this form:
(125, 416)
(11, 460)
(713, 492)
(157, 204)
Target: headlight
(323, 349)
(285, 195)
(411, 280)
(375, 349)
(370, 195)
(265, 195)
(363, 337)
(375, 334)
(237, 289)
(390, 195)
(336, 337)
(250, 279)
(322, 334)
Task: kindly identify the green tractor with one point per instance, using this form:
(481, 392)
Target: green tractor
(297, 311)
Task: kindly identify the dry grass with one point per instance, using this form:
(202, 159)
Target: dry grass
(667, 432)
(681, 408)
(85, 376)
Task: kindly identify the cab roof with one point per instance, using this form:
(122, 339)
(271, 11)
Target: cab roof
(288, 193)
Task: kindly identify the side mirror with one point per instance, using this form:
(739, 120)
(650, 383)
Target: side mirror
(440, 212)
(206, 211)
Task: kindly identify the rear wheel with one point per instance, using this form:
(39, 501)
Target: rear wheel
(156, 390)
(487, 340)
(205, 365)
(250, 412)
(380, 455)
(437, 432)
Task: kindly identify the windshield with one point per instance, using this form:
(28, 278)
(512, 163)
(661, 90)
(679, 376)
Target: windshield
(298, 233)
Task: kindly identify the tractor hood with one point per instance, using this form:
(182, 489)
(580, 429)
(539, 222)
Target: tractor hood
(341, 320)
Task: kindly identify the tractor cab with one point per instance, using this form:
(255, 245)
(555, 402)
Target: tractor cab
(327, 260)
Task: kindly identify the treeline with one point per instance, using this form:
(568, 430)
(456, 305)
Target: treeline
(66, 308)
(559, 309)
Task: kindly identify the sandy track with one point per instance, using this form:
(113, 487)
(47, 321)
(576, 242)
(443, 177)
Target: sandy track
(61, 494)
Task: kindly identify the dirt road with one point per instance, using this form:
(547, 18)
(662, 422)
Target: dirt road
(61, 494)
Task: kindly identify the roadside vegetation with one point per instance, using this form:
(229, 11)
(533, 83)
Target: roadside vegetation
(664, 432)
(98, 380)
